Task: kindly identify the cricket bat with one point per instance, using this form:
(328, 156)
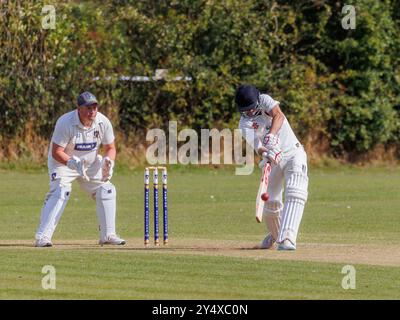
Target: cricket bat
(262, 195)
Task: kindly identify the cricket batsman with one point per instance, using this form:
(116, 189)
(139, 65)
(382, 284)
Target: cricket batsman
(73, 155)
(267, 130)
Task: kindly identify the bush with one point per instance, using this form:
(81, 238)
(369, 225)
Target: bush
(339, 88)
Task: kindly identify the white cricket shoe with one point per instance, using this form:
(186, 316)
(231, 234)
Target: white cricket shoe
(286, 245)
(112, 239)
(43, 242)
(268, 242)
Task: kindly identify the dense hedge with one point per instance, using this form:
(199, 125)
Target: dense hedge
(340, 88)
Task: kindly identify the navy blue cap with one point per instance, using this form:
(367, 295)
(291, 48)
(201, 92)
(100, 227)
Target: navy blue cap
(86, 99)
(247, 97)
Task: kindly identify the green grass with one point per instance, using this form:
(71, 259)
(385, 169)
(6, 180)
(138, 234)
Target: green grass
(133, 275)
(351, 205)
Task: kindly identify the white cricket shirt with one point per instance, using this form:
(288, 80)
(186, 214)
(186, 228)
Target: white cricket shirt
(78, 140)
(254, 128)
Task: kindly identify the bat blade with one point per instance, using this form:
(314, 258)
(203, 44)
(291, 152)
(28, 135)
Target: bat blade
(262, 190)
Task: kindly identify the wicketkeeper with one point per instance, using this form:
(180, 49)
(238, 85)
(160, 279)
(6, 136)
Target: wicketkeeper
(73, 155)
(266, 128)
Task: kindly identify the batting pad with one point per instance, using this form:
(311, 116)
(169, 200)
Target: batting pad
(106, 209)
(52, 210)
(295, 199)
(271, 215)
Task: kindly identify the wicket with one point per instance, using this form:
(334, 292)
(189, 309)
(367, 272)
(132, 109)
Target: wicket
(155, 197)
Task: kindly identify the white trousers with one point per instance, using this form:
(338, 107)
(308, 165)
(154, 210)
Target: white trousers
(61, 179)
(290, 176)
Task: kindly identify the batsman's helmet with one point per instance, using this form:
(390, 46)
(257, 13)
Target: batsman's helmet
(247, 97)
(86, 99)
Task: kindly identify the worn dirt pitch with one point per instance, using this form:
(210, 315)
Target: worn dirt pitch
(367, 254)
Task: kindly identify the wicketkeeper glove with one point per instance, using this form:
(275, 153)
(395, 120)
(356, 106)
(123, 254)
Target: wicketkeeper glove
(107, 166)
(274, 153)
(74, 163)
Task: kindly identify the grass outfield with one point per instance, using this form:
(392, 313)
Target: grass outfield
(351, 218)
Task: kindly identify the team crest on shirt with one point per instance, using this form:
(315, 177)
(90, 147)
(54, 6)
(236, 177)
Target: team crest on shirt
(255, 125)
(96, 134)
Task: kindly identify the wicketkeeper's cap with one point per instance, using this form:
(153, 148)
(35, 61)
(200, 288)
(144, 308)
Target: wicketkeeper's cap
(86, 99)
(247, 97)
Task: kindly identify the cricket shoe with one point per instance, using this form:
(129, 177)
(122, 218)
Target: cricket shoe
(286, 245)
(112, 239)
(268, 242)
(43, 242)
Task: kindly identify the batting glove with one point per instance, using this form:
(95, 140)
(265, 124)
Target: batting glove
(274, 153)
(270, 140)
(74, 163)
(107, 166)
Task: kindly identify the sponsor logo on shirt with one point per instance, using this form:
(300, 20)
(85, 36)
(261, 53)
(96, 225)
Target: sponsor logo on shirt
(85, 146)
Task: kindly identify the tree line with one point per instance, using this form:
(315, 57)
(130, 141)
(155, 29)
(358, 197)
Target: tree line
(339, 87)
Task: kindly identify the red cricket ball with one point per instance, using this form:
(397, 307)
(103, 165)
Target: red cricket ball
(265, 196)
